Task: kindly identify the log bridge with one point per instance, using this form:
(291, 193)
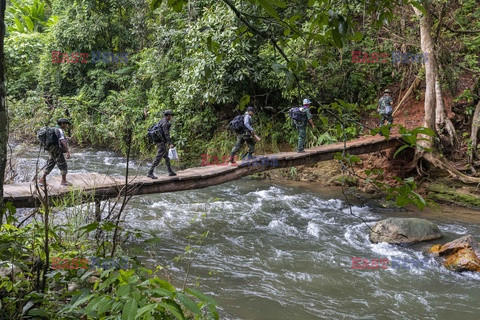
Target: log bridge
(94, 187)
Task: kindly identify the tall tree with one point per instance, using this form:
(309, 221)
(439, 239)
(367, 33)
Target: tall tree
(434, 107)
(3, 108)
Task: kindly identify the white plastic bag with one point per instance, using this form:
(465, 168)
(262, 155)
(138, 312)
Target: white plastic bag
(172, 154)
(388, 109)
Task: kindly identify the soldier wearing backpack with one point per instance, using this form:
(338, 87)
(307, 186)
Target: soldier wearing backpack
(301, 116)
(245, 133)
(385, 108)
(163, 128)
(54, 141)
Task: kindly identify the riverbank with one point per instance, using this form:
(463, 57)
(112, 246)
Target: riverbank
(454, 201)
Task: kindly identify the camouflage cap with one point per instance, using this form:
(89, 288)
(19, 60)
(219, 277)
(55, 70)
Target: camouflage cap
(387, 91)
(168, 113)
(63, 120)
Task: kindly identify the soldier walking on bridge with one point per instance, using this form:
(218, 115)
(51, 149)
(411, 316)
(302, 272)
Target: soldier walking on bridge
(300, 117)
(246, 135)
(164, 128)
(56, 151)
(385, 108)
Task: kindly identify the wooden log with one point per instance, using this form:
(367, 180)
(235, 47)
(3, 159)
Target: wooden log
(88, 187)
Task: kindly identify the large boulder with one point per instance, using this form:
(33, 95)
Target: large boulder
(462, 254)
(404, 230)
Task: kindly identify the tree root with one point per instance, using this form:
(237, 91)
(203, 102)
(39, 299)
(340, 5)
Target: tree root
(442, 163)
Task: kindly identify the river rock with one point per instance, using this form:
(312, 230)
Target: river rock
(404, 230)
(453, 246)
(463, 260)
(462, 254)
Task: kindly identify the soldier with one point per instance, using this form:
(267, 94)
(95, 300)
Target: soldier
(301, 125)
(164, 125)
(246, 136)
(56, 152)
(385, 108)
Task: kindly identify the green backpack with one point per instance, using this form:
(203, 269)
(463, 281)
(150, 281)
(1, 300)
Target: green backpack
(47, 137)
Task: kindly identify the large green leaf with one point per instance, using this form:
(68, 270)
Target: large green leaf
(147, 308)
(174, 308)
(29, 23)
(130, 309)
(201, 296)
(189, 304)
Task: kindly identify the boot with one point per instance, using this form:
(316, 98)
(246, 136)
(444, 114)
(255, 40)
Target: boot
(250, 156)
(232, 159)
(169, 168)
(150, 174)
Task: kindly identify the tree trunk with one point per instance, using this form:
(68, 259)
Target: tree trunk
(443, 125)
(426, 43)
(474, 133)
(431, 97)
(3, 108)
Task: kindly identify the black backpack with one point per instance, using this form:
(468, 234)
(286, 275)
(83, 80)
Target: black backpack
(297, 115)
(47, 137)
(237, 124)
(155, 133)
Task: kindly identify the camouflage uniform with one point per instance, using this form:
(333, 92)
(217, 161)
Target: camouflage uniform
(385, 100)
(245, 137)
(162, 147)
(302, 129)
(56, 156)
(241, 138)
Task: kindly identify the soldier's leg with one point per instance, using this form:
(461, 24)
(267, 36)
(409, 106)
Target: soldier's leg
(50, 163)
(162, 149)
(237, 145)
(251, 147)
(61, 163)
(167, 163)
(389, 118)
(302, 135)
(48, 167)
(382, 119)
(160, 154)
(62, 166)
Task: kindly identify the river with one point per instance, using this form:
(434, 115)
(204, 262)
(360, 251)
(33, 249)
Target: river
(283, 251)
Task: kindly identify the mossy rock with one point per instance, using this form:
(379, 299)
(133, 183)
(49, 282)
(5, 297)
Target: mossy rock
(346, 180)
(459, 196)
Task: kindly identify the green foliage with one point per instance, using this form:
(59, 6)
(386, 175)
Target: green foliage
(22, 54)
(28, 16)
(203, 64)
(135, 294)
(404, 193)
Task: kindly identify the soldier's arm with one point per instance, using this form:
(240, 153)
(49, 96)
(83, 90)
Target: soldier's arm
(65, 145)
(309, 117)
(166, 131)
(63, 141)
(248, 125)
